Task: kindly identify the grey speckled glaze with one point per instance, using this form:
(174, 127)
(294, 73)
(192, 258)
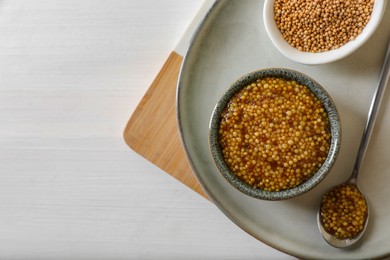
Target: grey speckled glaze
(335, 129)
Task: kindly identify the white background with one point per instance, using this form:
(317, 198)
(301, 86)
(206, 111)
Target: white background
(71, 74)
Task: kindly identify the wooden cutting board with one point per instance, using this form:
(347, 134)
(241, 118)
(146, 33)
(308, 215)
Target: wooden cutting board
(152, 129)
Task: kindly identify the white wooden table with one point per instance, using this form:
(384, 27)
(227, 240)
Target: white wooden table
(71, 73)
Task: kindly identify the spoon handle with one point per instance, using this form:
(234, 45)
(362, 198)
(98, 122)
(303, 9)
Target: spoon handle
(372, 115)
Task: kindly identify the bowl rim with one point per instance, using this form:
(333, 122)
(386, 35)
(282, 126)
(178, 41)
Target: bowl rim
(322, 57)
(335, 128)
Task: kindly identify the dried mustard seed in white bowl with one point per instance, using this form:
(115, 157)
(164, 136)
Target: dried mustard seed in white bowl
(274, 134)
(318, 26)
(316, 32)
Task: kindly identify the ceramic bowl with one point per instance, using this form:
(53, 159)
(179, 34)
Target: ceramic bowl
(323, 57)
(335, 132)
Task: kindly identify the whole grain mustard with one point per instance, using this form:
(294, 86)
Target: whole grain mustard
(274, 134)
(343, 211)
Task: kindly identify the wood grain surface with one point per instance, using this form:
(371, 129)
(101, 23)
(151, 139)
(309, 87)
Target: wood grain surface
(152, 129)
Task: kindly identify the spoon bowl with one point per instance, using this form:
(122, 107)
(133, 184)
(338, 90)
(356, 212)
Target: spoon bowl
(330, 237)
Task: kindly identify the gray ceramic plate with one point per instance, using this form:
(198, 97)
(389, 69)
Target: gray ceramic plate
(232, 42)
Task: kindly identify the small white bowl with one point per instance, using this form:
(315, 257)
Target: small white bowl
(322, 57)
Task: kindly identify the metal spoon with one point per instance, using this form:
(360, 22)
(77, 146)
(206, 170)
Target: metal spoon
(352, 181)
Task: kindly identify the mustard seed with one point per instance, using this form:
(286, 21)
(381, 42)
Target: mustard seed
(343, 211)
(259, 137)
(321, 25)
